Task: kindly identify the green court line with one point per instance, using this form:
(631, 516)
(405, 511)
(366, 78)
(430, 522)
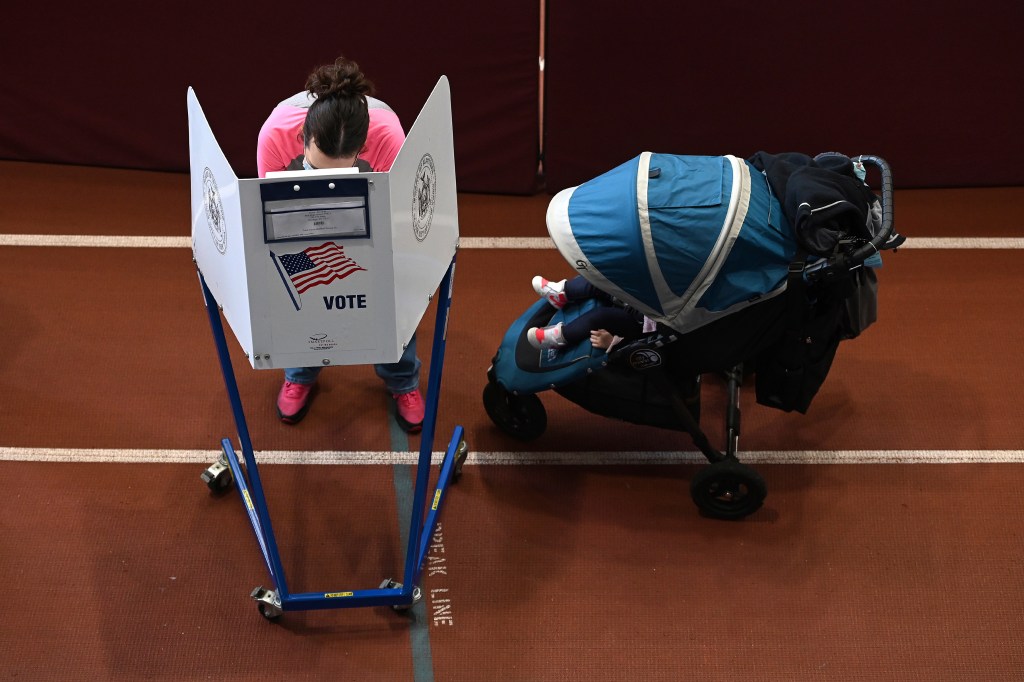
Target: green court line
(419, 627)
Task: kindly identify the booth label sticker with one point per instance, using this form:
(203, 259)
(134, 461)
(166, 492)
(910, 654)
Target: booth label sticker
(332, 595)
(424, 195)
(321, 341)
(214, 211)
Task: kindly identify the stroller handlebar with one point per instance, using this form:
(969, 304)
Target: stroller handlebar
(885, 233)
(885, 238)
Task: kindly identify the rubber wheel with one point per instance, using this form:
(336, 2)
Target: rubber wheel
(461, 453)
(417, 597)
(460, 458)
(728, 490)
(219, 483)
(267, 612)
(521, 416)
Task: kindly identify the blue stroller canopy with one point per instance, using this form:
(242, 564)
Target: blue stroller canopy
(686, 240)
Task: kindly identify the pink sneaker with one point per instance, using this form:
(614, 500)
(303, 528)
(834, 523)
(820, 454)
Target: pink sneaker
(553, 291)
(293, 401)
(546, 337)
(409, 410)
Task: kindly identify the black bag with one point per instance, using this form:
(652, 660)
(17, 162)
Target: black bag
(826, 204)
(789, 373)
(861, 303)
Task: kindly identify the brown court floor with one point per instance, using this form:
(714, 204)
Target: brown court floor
(895, 570)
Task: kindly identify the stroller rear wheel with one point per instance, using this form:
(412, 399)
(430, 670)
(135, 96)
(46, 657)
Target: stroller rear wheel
(522, 416)
(728, 490)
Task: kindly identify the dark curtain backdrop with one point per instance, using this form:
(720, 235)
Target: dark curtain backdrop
(932, 88)
(105, 84)
(935, 88)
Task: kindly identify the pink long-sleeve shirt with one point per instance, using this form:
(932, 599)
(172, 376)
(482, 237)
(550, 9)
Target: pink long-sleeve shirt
(280, 139)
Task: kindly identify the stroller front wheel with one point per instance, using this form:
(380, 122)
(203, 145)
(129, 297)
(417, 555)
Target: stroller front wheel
(728, 490)
(521, 416)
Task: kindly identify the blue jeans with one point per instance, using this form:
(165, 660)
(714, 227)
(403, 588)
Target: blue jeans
(399, 377)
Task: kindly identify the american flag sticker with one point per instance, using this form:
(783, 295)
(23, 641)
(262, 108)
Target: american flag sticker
(312, 267)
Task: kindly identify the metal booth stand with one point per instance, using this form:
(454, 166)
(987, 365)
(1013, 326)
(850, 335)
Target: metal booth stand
(329, 267)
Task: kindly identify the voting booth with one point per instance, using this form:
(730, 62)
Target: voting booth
(329, 267)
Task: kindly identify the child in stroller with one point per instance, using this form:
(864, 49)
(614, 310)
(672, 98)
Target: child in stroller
(745, 267)
(605, 325)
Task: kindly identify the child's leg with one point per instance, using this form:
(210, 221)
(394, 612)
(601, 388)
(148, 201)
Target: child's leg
(561, 292)
(606, 316)
(612, 318)
(615, 320)
(579, 289)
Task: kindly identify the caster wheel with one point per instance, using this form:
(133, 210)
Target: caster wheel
(267, 603)
(218, 477)
(417, 597)
(521, 416)
(728, 490)
(460, 458)
(461, 453)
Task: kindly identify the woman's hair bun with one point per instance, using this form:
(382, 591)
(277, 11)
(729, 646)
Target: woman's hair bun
(340, 79)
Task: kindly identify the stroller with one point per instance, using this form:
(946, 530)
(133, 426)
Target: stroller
(748, 268)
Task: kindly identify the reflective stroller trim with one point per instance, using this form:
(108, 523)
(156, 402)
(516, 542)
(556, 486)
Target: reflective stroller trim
(681, 310)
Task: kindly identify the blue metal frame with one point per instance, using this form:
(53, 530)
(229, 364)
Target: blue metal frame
(250, 489)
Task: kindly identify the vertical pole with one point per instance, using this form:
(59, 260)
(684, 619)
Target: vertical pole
(734, 378)
(429, 424)
(259, 501)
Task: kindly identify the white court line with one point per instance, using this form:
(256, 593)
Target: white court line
(95, 240)
(139, 456)
(464, 243)
(963, 243)
(511, 458)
